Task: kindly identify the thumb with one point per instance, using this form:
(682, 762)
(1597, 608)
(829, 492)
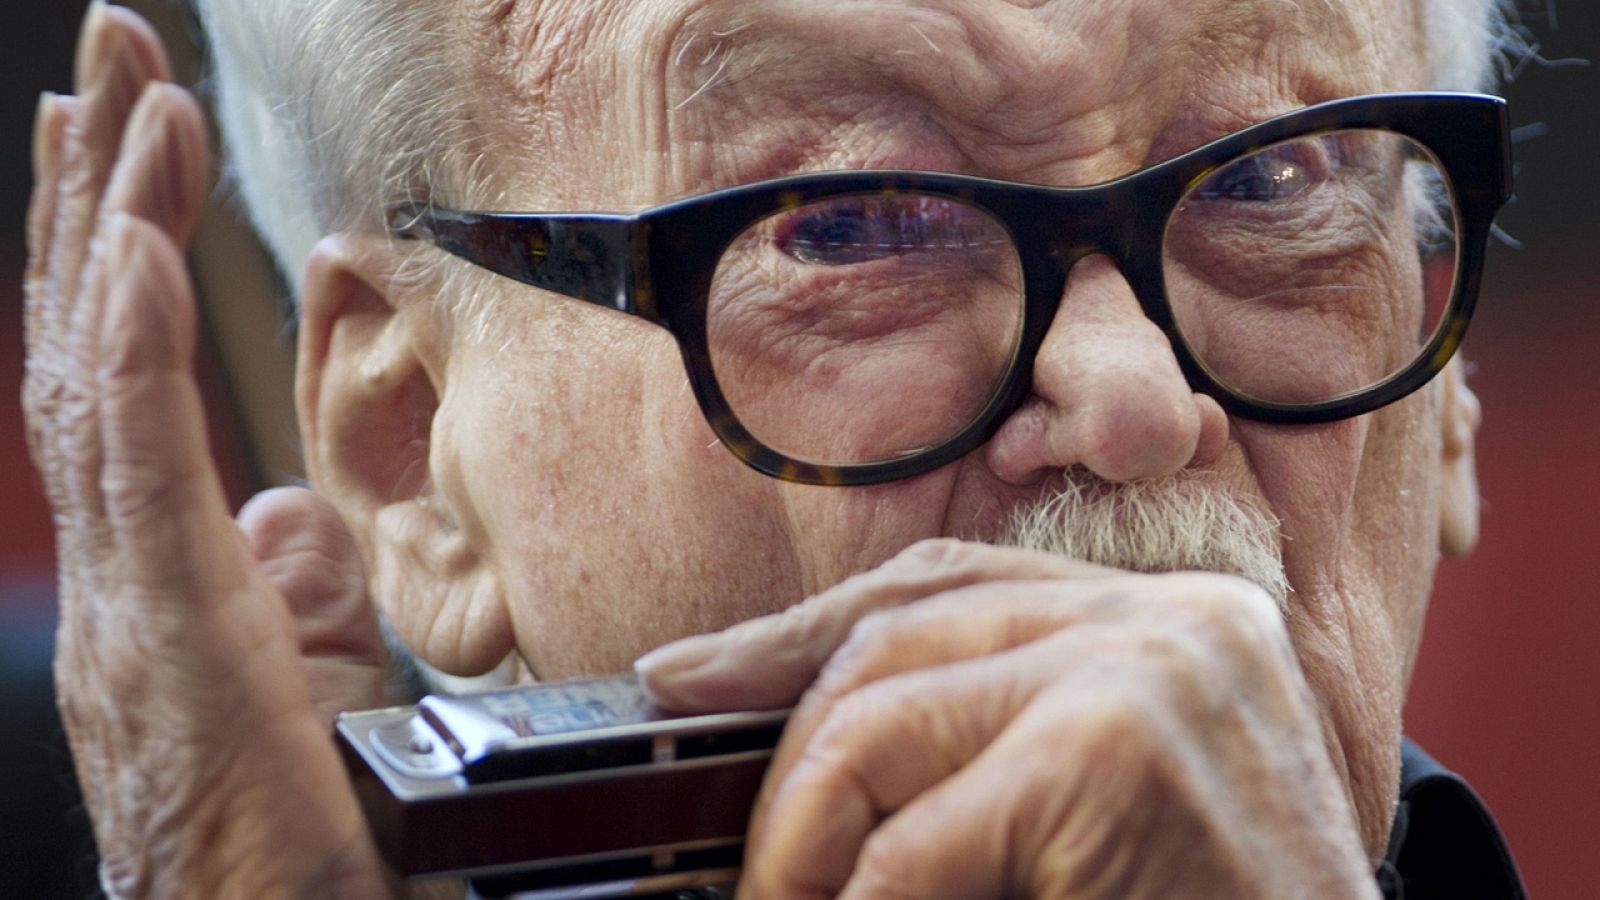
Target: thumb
(308, 554)
(768, 663)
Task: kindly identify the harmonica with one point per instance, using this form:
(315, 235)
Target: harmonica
(572, 789)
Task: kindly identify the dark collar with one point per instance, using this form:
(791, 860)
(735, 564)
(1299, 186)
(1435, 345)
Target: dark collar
(1444, 842)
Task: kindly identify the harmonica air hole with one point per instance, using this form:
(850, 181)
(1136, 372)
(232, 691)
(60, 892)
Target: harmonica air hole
(561, 759)
(696, 746)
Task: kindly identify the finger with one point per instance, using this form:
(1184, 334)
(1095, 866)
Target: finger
(972, 623)
(160, 178)
(1124, 764)
(974, 835)
(918, 690)
(1235, 620)
(118, 54)
(789, 649)
(161, 169)
(49, 136)
(45, 345)
(308, 554)
(879, 748)
(63, 398)
(162, 497)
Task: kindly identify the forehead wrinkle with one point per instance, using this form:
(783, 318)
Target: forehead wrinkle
(943, 64)
(535, 43)
(996, 57)
(996, 28)
(554, 74)
(1049, 80)
(1303, 19)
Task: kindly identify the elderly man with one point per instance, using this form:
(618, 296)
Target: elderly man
(1112, 480)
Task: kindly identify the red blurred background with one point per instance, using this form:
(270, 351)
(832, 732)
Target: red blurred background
(1502, 689)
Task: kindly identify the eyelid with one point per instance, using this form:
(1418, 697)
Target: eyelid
(888, 227)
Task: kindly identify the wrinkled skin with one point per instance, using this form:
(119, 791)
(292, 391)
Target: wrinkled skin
(1079, 732)
(198, 664)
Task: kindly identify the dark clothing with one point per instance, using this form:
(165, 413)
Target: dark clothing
(1444, 843)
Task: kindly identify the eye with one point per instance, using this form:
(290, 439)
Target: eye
(1280, 173)
(856, 230)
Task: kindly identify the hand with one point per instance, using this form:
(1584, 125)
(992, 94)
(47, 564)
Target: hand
(988, 722)
(198, 661)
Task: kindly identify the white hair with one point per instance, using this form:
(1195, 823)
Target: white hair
(1182, 522)
(333, 110)
(1465, 39)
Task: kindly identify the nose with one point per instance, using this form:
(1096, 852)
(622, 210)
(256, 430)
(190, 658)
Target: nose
(1107, 394)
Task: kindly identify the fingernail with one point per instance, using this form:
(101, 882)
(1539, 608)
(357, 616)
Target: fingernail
(88, 56)
(43, 130)
(678, 658)
(91, 17)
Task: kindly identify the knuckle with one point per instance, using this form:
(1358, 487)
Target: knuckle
(842, 726)
(888, 866)
(1122, 733)
(871, 643)
(131, 492)
(39, 289)
(811, 623)
(313, 577)
(286, 521)
(935, 550)
(1234, 612)
(932, 553)
(872, 630)
(79, 191)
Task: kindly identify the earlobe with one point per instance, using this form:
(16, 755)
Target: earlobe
(370, 373)
(1460, 415)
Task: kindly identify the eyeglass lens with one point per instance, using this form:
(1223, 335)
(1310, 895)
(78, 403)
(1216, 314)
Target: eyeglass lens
(863, 329)
(1315, 268)
(860, 329)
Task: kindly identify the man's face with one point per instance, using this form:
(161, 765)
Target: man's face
(601, 512)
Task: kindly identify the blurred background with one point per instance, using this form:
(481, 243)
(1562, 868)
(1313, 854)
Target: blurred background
(1504, 691)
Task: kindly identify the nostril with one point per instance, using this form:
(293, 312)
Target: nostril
(1016, 452)
(1118, 438)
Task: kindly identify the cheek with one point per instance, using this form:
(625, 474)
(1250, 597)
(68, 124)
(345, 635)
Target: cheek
(839, 532)
(1309, 477)
(1398, 505)
(1359, 505)
(1356, 498)
(612, 519)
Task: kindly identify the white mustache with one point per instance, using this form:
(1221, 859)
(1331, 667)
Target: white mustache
(1182, 522)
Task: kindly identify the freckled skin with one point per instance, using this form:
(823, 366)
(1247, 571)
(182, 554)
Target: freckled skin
(613, 520)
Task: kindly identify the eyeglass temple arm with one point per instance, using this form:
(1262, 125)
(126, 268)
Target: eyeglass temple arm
(587, 257)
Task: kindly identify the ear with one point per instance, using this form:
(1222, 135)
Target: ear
(1460, 415)
(369, 375)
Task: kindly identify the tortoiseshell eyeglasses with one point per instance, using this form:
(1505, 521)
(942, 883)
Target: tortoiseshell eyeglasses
(858, 327)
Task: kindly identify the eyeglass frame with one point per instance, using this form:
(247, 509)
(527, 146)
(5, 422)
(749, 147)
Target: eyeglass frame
(658, 264)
